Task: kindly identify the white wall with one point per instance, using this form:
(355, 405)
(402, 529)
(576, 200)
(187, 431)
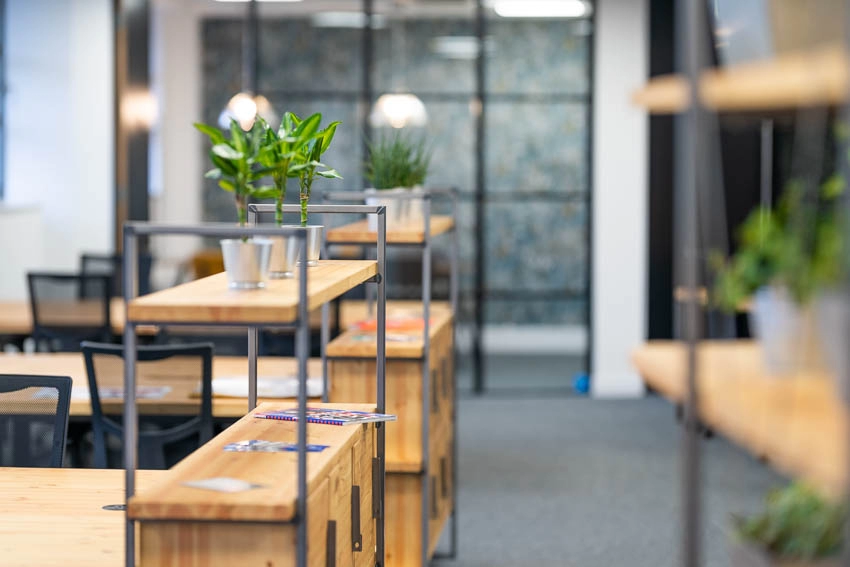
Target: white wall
(59, 126)
(620, 195)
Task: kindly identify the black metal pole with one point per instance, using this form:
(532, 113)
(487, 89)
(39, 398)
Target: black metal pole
(251, 49)
(367, 94)
(690, 171)
(480, 106)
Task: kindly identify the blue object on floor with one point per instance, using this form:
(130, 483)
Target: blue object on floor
(581, 383)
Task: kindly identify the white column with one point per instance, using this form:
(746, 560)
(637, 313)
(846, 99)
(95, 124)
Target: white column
(620, 196)
(175, 146)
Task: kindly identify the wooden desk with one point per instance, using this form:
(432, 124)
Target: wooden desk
(55, 517)
(182, 399)
(16, 317)
(798, 423)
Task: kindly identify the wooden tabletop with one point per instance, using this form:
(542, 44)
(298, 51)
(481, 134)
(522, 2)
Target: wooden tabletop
(275, 499)
(414, 233)
(16, 316)
(816, 78)
(180, 377)
(798, 423)
(208, 300)
(55, 517)
(401, 343)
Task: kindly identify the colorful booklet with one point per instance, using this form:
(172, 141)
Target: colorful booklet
(326, 416)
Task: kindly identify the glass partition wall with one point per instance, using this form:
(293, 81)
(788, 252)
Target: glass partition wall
(511, 131)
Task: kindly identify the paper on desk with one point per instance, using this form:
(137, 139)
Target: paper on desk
(223, 484)
(117, 393)
(267, 386)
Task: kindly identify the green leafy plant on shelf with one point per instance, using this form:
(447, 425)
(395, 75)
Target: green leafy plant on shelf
(796, 245)
(796, 523)
(397, 160)
(237, 168)
(283, 149)
(307, 164)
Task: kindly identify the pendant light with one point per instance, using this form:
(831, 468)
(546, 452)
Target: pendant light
(246, 105)
(398, 109)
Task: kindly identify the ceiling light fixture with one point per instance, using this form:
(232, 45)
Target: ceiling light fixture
(398, 110)
(541, 8)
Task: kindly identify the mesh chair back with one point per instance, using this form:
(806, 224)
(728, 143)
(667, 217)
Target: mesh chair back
(63, 315)
(161, 371)
(33, 420)
(111, 265)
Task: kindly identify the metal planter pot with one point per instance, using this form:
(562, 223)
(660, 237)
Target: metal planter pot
(246, 262)
(787, 333)
(284, 256)
(743, 554)
(314, 243)
(398, 210)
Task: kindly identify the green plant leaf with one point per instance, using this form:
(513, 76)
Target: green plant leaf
(264, 192)
(226, 185)
(225, 165)
(329, 174)
(227, 152)
(214, 173)
(237, 137)
(215, 135)
(327, 135)
(307, 129)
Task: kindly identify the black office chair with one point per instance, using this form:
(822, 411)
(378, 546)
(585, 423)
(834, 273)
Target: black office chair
(33, 420)
(161, 442)
(111, 265)
(63, 315)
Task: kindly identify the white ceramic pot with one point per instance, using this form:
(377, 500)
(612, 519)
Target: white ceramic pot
(284, 256)
(786, 332)
(398, 210)
(246, 262)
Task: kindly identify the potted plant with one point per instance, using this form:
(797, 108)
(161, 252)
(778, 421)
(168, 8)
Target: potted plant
(306, 167)
(397, 164)
(797, 528)
(279, 152)
(788, 258)
(246, 260)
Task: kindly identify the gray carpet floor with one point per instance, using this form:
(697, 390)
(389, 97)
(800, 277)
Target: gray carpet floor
(575, 482)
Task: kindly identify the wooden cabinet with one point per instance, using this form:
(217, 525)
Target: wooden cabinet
(409, 479)
(182, 525)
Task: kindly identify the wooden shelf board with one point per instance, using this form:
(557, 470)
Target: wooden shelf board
(412, 234)
(362, 344)
(816, 78)
(797, 422)
(276, 472)
(209, 300)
